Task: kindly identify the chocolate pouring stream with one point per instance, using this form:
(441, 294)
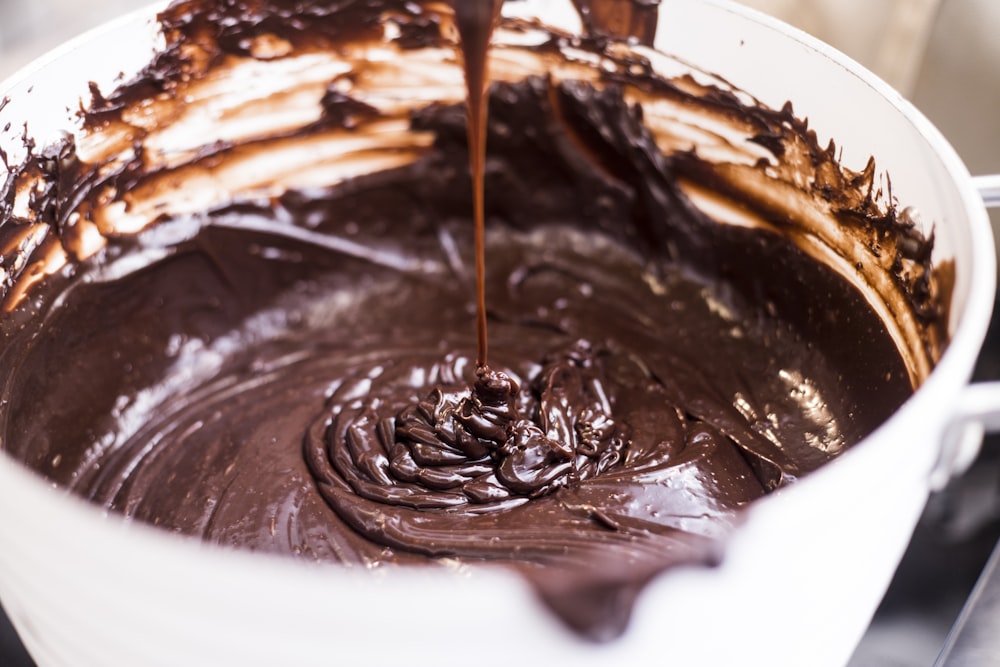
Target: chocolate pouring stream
(264, 340)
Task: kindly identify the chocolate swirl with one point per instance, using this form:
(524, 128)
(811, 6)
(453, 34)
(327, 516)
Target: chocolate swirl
(494, 446)
(453, 474)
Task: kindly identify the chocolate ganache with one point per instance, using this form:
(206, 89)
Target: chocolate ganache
(247, 316)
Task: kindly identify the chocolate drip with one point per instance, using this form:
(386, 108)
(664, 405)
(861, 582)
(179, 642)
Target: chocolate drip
(475, 20)
(620, 19)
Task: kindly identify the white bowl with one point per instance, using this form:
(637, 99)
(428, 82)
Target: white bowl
(800, 580)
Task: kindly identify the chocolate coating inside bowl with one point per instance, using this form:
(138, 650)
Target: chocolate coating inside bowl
(283, 360)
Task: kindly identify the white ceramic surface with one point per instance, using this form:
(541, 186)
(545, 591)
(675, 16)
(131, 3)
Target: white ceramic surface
(799, 582)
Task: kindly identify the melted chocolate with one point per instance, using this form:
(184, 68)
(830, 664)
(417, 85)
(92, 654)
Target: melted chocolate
(287, 368)
(475, 22)
(620, 19)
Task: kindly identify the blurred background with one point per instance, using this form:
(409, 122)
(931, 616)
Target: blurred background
(944, 55)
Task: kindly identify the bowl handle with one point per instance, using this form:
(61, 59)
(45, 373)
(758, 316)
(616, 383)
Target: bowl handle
(977, 412)
(989, 188)
(978, 409)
